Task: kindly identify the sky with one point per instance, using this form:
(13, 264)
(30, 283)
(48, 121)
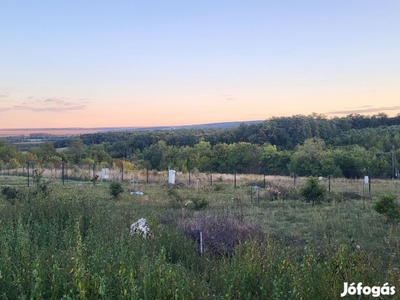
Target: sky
(161, 63)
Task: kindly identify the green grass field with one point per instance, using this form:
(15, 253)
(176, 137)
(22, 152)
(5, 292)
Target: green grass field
(73, 241)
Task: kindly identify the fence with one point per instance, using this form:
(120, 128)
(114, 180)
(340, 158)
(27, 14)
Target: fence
(83, 174)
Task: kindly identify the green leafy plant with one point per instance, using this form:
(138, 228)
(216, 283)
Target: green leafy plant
(115, 189)
(387, 205)
(175, 197)
(10, 193)
(37, 177)
(199, 202)
(94, 179)
(313, 191)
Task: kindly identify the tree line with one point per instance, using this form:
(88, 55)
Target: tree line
(352, 146)
(283, 132)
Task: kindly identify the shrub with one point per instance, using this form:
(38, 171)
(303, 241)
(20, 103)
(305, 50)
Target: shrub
(115, 189)
(313, 191)
(218, 187)
(273, 193)
(221, 233)
(199, 202)
(387, 205)
(336, 197)
(10, 193)
(42, 188)
(175, 197)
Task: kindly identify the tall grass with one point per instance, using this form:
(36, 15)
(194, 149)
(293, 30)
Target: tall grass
(75, 244)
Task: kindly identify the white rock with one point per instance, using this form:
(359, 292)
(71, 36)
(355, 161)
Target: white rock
(140, 228)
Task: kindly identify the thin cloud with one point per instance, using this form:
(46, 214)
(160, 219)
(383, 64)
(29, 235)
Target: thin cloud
(227, 97)
(363, 110)
(52, 104)
(4, 95)
(54, 100)
(51, 109)
(28, 102)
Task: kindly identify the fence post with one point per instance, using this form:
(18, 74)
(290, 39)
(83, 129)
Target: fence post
(28, 172)
(188, 167)
(264, 179)
(62, 173)
(369, 185)
(201, 244)
(329, 183)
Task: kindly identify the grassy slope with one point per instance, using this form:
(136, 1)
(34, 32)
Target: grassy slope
(75, 243)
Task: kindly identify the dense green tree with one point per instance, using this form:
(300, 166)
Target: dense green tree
(309, 145)
(354, 162)
(8, 152)
(76, 149)
(311, 158)
(219, 160)
(156, 155)
(45, 153)
(202, 156)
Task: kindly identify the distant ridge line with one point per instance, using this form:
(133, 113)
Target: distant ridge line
(89, 130)
(234, 123)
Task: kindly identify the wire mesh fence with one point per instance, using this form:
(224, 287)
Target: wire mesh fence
(84, 174)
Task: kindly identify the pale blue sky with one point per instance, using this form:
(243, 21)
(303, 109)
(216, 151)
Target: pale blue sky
(140, 63)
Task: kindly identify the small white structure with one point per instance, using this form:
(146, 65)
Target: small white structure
(104, 174)
(366, 179)
(320, 178)
(140, 228)
(171, 176)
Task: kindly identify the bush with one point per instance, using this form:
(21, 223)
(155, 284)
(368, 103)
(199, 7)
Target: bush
(115, 189)
(218, 187)
(221, 233)
(42, 188)
(336, 197)
(175, 197)
(387, 205)
(199, 202)
(313, 191)
(10, 193)
(178, 200)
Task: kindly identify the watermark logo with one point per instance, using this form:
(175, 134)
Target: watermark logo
(375, 291)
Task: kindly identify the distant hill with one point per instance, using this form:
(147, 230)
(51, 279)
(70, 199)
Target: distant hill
(76, 131)
(221, 125)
